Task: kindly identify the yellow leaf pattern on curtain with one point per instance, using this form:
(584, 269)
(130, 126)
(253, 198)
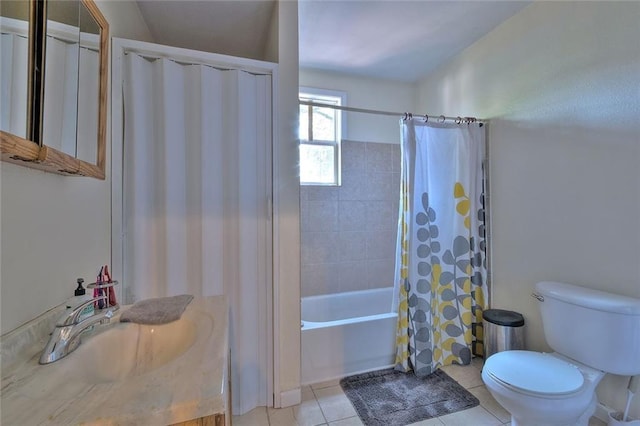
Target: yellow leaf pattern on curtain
(442, 274)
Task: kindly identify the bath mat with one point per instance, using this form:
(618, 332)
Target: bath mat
(389, 397)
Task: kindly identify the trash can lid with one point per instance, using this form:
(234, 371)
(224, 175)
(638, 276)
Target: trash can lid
(502, 317)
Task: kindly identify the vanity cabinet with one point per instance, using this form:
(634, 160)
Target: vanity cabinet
(214, 420)
(191, 389)
(218, 419)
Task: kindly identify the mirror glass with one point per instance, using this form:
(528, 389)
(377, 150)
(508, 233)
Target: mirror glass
(88, 87)
(53, 64)
(14, 62)
(60, 103)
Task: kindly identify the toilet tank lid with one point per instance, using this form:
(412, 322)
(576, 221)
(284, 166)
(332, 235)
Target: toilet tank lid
(589, 298)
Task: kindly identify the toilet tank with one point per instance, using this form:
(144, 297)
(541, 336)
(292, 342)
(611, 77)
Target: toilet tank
(599, 329)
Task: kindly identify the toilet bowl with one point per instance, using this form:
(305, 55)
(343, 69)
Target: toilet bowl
(542, 388)
(592, 333)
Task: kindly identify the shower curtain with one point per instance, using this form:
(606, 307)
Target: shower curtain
(440, 278)
(196, 185)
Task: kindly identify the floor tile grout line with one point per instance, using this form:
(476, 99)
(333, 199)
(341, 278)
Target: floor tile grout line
(490, 413)
(351, 403)
(315, 399)
(319, 405)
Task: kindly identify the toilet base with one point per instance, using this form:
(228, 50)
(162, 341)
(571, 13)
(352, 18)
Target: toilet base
(583, 420)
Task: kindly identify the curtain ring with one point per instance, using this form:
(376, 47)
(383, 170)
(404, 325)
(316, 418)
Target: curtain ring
(405, 116)
(426, 118)
(442, 119)
(410, 116)
(458, 120)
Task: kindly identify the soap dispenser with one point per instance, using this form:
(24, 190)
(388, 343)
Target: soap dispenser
(79, 296)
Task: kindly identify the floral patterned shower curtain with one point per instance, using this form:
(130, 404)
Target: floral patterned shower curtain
(441, 248)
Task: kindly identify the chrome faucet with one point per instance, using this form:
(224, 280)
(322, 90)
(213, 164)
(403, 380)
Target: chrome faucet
(65, 337)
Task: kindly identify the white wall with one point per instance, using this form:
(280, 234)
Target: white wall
(55, 228)
(287, 206)
(369, 93)
(560, 85)
(125, 19)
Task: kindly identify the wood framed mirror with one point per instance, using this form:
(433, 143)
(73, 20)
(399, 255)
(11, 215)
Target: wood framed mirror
(58, 122)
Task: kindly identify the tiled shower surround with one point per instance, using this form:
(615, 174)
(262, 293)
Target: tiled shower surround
(348, 233)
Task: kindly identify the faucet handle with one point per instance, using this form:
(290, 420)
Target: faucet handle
(108, 315)
(73, 317)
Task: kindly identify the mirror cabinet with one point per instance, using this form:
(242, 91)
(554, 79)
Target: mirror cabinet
(54, 85)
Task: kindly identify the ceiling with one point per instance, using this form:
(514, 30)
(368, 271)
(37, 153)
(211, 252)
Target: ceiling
(401, 40)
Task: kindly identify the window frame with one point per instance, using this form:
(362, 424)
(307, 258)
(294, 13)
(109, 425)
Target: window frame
(317, 96)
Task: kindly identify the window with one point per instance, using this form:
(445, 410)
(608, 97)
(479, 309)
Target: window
(320, 133)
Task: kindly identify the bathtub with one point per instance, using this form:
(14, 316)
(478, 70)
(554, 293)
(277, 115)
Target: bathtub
(347, 333)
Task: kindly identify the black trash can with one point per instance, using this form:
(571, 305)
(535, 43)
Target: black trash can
(502, 330)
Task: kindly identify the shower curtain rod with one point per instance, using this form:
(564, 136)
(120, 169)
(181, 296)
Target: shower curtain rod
(405, 115)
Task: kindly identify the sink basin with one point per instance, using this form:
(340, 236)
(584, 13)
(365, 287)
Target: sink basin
(126, 350)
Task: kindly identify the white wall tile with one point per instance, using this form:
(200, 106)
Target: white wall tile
(379, 186)
(304, 193)
(378, 157)
(380, 215)
(353, 156)
(353, 246)
(353, 276)
(321, 193)
(319, 279)
(381, 245)
(321, 216)
(319, 247)
(380, 273)
(354, 186)
(363, 215)
(396, 158)
(352, 215)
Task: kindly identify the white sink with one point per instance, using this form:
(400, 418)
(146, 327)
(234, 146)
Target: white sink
(126, 350)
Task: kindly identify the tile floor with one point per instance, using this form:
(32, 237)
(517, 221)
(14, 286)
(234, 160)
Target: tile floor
(324, 404)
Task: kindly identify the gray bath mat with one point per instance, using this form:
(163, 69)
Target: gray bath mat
(389, 397)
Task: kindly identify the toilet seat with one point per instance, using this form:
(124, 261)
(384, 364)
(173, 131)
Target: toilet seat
(534, 373)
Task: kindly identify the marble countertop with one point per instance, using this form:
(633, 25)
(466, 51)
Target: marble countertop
(191, 386)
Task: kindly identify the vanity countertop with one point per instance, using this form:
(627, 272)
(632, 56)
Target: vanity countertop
(192, 386)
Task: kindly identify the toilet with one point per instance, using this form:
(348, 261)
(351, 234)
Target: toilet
(592, 333)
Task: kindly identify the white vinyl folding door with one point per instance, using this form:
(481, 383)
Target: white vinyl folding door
(196, 196)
